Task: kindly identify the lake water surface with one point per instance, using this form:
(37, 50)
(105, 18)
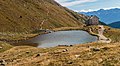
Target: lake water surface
(63, 38)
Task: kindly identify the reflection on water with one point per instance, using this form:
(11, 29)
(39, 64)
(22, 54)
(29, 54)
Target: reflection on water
(62, 38)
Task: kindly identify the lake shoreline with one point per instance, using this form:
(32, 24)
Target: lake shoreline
(12, 42)
(63, 38)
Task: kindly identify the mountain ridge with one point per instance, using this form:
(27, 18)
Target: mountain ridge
(115, 24)
(107, 16)
(28, 15)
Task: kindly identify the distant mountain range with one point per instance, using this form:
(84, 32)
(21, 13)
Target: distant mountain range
(107, 16)
(115, 24)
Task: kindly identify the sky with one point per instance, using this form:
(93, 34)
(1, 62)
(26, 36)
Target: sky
(89, 5)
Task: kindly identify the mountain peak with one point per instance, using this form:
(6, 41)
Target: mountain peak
(101, 10)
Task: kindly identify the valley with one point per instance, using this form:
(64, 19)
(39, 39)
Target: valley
(55, 36)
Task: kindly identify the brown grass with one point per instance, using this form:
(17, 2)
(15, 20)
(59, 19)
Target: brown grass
(107, 55)
(27, 15)
(112, 33)
(4, 46)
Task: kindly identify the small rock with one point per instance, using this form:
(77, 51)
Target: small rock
(2, 63)
(69, 62)
(1, 47)
(71, 45)
(65, 50)
(20, 16)
(105, 48)
(37, 55)
(95, 49)
(100, 60)
(27, 51)
(77, 56)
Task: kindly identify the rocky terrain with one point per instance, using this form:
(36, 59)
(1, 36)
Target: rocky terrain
(90, 54)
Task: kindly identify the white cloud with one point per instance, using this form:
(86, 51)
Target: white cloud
(73, 2)
(110, 8)
(90, 10)
(61, 1)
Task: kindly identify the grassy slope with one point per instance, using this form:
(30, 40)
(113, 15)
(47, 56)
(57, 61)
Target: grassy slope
(4, 46)
(27, 15)
(84, 55)
(112, 33)
(90, 54)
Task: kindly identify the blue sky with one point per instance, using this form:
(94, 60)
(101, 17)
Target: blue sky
(89, 5)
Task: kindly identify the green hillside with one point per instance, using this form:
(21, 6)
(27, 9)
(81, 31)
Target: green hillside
(28, 15)
(115, 24)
